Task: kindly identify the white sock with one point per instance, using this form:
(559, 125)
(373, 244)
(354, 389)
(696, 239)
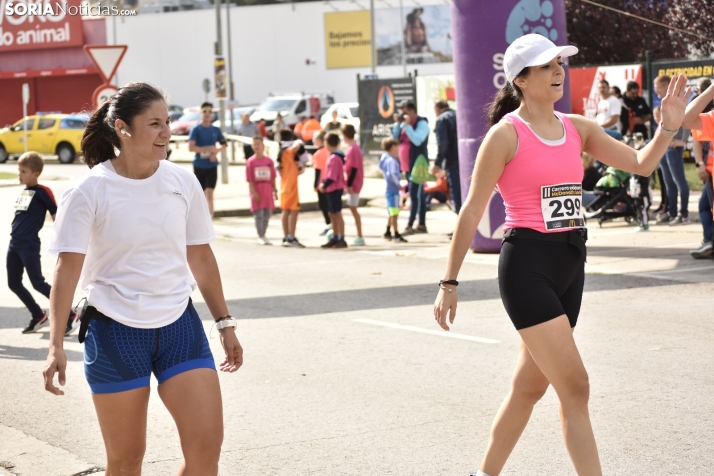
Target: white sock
(481, 473)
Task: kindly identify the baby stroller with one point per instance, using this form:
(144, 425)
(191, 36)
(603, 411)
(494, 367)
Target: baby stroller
(620, 195)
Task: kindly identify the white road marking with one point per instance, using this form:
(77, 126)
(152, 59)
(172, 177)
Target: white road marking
(452, 335)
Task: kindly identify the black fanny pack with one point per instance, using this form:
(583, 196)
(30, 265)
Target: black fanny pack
(89, 313)
(577, 237)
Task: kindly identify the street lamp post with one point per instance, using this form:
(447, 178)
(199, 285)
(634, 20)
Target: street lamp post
(221, 101)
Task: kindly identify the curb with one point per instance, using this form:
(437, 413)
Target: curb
(304, 207)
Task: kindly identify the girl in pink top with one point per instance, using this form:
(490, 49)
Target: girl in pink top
(533, 154)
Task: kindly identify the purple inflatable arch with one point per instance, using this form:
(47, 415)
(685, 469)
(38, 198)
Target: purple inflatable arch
(481, 32)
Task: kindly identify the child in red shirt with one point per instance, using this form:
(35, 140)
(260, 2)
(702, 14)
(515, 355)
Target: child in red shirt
(260, 175)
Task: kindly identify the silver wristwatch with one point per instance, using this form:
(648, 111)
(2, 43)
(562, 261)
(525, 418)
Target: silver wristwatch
(226, 323)
(666, 132)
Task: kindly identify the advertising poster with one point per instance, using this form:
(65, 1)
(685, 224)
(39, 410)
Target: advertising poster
(584, 82)
(693, 70)
(348, 39)
(430, 89)
(378, 100)
(425, 31)
(59, 24)
(221, 78)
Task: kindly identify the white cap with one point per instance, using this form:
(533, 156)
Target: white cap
(532, 50)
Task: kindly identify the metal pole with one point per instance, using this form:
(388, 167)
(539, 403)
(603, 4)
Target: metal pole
(373, 40)
(229, 66)
(24, 122)
(403, 42)
(221, 101)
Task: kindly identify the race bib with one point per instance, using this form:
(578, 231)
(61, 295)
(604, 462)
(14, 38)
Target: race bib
(562, 206)
(23, 201)
(262, 174)
(205, 155)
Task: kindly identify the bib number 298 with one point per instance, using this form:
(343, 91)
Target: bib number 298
(562, 206)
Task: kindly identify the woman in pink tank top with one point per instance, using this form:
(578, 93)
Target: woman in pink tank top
(532, 153)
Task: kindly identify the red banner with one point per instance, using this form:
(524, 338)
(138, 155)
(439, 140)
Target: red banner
(28, 25)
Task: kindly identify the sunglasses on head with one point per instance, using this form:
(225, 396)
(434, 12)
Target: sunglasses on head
(206, 111)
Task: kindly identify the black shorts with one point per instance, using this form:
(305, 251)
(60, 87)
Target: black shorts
(206, 177)
(541, 280)
(334, 201)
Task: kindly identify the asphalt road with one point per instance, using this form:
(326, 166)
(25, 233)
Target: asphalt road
(346, 372)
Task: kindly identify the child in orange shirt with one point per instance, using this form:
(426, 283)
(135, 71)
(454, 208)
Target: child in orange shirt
(290, 166)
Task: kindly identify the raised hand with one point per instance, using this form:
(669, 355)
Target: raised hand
(674, 103)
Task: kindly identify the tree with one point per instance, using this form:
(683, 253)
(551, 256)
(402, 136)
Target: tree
(695, 16)
(607, 37)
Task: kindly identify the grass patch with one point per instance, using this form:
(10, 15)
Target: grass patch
(7, 175)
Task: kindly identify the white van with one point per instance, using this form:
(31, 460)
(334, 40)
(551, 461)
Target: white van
(291, 107)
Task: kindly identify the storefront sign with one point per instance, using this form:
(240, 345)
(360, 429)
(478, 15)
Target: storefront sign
(348, 39)
(49, 25)
(378, 100)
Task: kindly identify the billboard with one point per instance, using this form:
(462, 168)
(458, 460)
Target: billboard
(693, 70)
(378, 99)
(58, 25)
(584, 95)
(348, 39)
(425, 31)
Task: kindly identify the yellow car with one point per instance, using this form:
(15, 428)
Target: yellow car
(50, 134)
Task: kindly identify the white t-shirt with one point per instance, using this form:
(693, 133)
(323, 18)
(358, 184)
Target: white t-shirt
(134, 234)
(607, 108)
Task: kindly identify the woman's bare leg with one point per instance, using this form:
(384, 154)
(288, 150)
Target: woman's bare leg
(553, 349)
(194, 400)
(527, 388)
(122, 419)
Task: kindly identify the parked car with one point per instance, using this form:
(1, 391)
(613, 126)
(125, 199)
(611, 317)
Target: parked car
(347, 113)
(291, 107)
(191, 117)
(237, 113)
(58, 134)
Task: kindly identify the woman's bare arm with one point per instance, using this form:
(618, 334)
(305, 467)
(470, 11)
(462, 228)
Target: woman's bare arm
(64, 283)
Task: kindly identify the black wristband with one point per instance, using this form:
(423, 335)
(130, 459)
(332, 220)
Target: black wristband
(453, 282)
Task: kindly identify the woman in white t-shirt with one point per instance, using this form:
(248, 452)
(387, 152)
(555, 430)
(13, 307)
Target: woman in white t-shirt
(133, 226)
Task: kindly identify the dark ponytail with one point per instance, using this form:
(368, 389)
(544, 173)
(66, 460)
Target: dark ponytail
(507, 99)
(100, 138)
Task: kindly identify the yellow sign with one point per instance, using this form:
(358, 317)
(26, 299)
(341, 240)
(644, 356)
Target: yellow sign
(348, 39)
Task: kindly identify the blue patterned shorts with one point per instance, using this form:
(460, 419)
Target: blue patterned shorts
(119, 358)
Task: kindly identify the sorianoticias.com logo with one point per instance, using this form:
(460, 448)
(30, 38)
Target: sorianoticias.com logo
(53, 10)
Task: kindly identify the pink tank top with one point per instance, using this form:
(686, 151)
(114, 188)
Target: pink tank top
(542, 169)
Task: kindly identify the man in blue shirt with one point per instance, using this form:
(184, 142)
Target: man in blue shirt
(202, 140)
(412, 134)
